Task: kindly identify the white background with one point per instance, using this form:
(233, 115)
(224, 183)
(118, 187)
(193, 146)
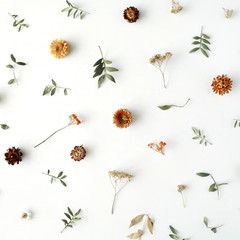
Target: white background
(139, 88)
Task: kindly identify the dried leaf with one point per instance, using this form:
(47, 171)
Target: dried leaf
(165, 107)
(136, 235)
(150, 225)
(173, 230)
(202, 174)
(136, 220)
(205, 220)
(21, 63)
(13, 58)
(47, 90)
(70, 211)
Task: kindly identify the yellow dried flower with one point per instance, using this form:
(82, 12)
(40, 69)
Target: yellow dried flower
(176, 7)
(59, 48)
(180, 188)
(228, 12)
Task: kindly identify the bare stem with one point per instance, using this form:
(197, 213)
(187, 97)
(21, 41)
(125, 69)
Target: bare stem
(104, 64)
(14, 75)
(114, 198)
(183, 200)
(52, 135)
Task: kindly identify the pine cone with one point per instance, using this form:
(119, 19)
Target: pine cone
(131, 14)
(13, 156)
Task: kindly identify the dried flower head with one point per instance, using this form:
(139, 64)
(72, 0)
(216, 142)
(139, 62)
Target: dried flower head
(228, 12)
(180, 188)
(176, 7)
(157, 60)
(118, 181)
(78, 153)
(222, 84)
(26, 215)
(131, 14)
(122, 118)
(157, 147)
(59, 48)
(13, 155)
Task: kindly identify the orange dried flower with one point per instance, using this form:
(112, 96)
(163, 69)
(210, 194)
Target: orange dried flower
(122, 118)
(131, 14)
(222, 84)
(78, 153)
(13, 155)
(59, 48)
(157, 147)
(74, 119)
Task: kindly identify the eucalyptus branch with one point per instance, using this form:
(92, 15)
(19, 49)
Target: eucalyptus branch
(19, 23)
(175, 235)
(59, 177)
(52, 88)
(199, 135)
(213, 229)
(72, 217)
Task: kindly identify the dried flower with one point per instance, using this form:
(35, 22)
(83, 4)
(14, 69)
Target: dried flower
(73, 121)
(118, 181)
(122, 118)
(131, 14)
(176, 7)
(140, 232)
(180, 188)
(59, 48)
(59, 177)
(19, 23)
(72, 217)
(213, 229)
(158, 60)
(222, 84)
(157, 147)
(52, 88)
(227, 12)
(13, 155)
(78, 153)
(26, 215)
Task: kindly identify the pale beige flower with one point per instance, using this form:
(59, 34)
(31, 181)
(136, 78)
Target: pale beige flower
(228, 12)
(180, 188)
(176, 7)
(59, 48)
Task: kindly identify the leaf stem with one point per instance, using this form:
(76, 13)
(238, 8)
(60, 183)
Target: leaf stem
(14, 75)
(104, 64)
(79, 9)
(114, 198)
(182, 105)
(183, 200)
(63, 88)
(218, 193)
(50, 175)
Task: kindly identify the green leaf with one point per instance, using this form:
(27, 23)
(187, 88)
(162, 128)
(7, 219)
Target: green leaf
(60, 174)
(65, 91)
(98, 62)
(201, 142)
(214, 230)
(65, 9)
(205, 46)
(205, 36)
(63, 177)
(206, 41)
(68, 216)
(173, 230)
(194, 50)
(21, 21)
(100, 80)
(196, 37)
(63, 183)
(51, 179)
(110, 77)
(70, 211)
(48, 171)
(107, 61)
(74, 15)
(98, 73)
(19, 29)
(11, 81)
(76, 219)
(4, 126)
(111, 69)
(77, 213)
(70, 226)
(204, 52)
(195, 42)
(195, 138)
(173, 236)
(10, 66)
(21, 63)
(65, 221)
(202, 174)
(54, 83)
(205, 220)
(194, 130)
(47, 90)
(99, 67)
(165, 107)
(69, 12)
(69, 4)
(13, 58)
(212, 188)
(53, 91)
(235, 124)
(15, 23)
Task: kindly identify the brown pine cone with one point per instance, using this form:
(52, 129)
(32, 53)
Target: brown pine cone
(78, 153)
(13, 156)
(131, 14)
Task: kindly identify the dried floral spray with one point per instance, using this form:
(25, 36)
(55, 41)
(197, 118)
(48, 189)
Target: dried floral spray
(180, 189)
(176, 7)
(157, 147)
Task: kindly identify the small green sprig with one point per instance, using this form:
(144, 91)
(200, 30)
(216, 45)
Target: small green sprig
(202, 41)
(237, 122)
(71, 218)
(12, 66)
(73, 9)
(213, 187)
(19, 23)
(166, 107)
(102, 69)
(52, 88)
(4, 126)
(175, 234)
(199, 135)
(59, 177)
(213, 229)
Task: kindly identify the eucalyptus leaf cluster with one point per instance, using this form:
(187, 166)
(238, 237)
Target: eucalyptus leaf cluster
(74, 11)
(52, 89)
(71, 218)
(213, 229)
(199, 135)
(4, 126)
(12, 66)
(59, 177)
(102, 70)
(214, 186)
(175, 235)
(20, 24)
(202, 41)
